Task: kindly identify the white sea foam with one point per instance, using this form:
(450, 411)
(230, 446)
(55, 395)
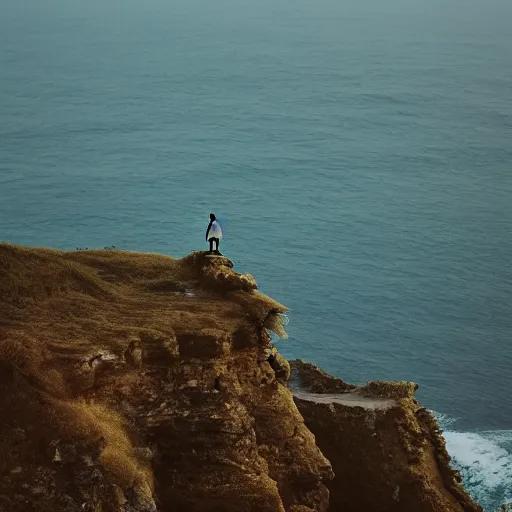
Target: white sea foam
(484, 460)
(487, 463)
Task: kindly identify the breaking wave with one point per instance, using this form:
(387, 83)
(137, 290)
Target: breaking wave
(484, 459)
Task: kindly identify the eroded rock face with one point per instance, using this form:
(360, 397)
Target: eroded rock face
(386, 451)
(226, 433)
(138, 383)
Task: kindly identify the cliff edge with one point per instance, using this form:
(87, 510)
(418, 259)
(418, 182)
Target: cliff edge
(141, 383)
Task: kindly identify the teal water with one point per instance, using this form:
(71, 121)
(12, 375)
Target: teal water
(360, 152)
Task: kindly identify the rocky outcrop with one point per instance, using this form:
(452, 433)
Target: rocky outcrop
(139, 383)
(387, 451)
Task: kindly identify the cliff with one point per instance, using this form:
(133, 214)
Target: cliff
(140, 383)
(134, 382)
(387, 451)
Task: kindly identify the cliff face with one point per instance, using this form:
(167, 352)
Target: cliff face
(128, 384)
(140, 383)
(386, 451)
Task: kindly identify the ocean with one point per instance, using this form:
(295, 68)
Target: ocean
(359, 154)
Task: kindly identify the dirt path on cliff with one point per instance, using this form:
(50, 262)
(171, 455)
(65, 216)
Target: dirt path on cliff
(350, 399)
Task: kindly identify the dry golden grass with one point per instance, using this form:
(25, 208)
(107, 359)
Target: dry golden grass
(88, 419)
(76, 302)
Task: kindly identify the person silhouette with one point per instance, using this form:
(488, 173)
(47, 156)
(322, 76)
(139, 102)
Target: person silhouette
(214, 234)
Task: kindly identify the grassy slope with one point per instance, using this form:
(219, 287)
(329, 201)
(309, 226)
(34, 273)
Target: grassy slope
(72, 303)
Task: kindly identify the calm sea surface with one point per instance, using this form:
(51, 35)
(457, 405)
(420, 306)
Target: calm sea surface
(359, 151)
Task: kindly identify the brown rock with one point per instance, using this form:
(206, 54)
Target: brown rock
(310, 377)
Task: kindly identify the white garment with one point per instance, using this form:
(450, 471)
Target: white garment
(215, 231)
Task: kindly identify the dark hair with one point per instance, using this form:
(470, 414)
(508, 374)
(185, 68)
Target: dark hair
(212, 216)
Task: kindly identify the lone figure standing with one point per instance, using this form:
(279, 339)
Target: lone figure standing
(214, 234)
